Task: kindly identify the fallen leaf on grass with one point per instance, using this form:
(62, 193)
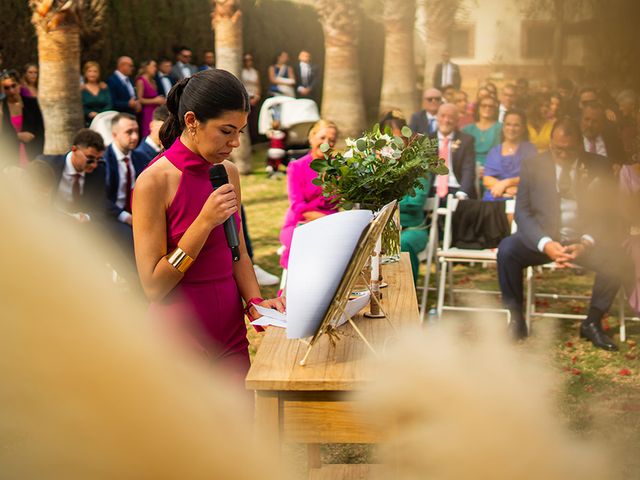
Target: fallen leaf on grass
(574, 359)
(624, 372)
(575, 371)
(631, 356)
(631, 343)
(569, 344)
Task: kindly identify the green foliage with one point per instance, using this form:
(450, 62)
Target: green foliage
(377, 168)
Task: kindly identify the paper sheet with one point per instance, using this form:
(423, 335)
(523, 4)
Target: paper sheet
(320, 253)
(274, 318)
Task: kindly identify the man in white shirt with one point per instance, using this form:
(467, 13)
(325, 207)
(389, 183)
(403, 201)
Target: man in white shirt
(163, 77)
(457, 149)
(307, 77)
(507, 100)
(425, 121)
(150, 146)
(80, 176)
(183, 67)
(599, 138)
(123, 167)
(562, 218)
(447, 73)
(123, 94)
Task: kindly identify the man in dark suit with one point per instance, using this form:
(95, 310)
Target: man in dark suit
(163, 77)
(425, 121)
(307, 77)
(599, 135)
(446, 73)
(562, 218)
(79, 177)
(183, 67)
(150, 146)
(123, 94)
(124, 166)
(209, 61)
(458, 151)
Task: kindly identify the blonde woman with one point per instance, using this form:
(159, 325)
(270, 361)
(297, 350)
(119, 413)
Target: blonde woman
(95, 93)
(306, 201)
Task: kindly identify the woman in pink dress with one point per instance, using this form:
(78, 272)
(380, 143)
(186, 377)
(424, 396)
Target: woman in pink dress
(22, 127)
(147, 92)
(306, 201)
(184, 262)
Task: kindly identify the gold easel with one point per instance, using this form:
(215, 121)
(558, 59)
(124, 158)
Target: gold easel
(337, 306)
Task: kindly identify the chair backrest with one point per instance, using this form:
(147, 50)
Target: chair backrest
(101, 123)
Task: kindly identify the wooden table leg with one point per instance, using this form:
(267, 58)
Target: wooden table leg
(268, 421)
(313, 456)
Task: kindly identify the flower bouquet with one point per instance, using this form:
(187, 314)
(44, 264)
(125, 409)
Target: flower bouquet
(376, 169)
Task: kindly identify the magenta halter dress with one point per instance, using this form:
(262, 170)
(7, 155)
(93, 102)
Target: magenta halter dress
(206, 304)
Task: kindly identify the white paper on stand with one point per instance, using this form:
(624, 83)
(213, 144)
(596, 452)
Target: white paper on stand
(274, 318)
(320, 253)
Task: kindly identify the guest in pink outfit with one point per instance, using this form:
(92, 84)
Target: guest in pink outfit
(21, 127)
(185, 265)
(147, 91)
(306, 200)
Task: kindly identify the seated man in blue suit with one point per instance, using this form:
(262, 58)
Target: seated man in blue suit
(563, 217)
(124, 166)
(79, 177)
(150, 146)
(123, 94)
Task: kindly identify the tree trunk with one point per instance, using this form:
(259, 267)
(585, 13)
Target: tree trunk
(399, 73)
(440, 19)
(558, 41)
(58, 92)
(342, 102)
(227, 25)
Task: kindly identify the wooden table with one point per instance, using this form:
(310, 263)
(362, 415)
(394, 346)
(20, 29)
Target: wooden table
(311, 404)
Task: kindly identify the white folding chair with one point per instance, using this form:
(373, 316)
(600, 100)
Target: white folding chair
(532, 295)
(432, 210)
(447, 255)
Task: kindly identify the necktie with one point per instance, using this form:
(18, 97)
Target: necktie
(75, 188)
(432, 125)
(127, 202)
(592, 146)
(564, 183)
(442, 184)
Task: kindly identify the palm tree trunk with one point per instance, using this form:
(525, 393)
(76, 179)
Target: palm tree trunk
(343, 101)
(59, 92)
(227, 25)
(399, 74)
(440, 19)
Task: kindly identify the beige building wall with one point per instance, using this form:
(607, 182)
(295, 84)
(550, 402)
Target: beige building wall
(497, 33)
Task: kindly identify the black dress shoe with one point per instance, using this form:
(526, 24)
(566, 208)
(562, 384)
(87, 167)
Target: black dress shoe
(594, 333)
(517, 329)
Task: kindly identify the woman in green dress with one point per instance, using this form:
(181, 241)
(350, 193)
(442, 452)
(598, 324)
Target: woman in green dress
(486, 129)
(95, 94)
(414, 233)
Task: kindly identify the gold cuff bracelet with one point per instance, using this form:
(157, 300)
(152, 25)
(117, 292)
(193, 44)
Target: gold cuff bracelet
(179, 260)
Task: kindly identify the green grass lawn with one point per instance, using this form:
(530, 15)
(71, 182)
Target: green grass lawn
(597, 384)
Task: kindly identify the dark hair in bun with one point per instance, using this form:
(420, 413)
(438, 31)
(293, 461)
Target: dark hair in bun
(208, 94)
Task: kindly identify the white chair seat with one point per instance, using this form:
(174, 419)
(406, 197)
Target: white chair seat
(462, 253)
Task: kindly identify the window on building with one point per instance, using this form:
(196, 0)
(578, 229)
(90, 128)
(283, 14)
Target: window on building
(537, 39)
(462, 41)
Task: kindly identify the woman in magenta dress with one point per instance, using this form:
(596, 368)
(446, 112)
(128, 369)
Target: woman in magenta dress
(147, 92)
(306, 201)
(183, 259)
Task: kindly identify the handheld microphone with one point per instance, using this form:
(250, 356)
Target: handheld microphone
(218, 177)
